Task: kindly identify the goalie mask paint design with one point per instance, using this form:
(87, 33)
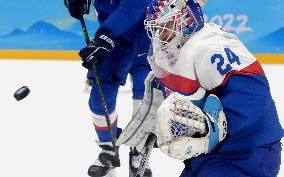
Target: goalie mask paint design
(170, 19)
(169, 23)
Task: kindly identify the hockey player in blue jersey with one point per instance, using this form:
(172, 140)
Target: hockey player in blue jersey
(119, 47)
(236, 133)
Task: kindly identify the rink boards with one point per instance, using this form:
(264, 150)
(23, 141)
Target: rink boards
(73, 55)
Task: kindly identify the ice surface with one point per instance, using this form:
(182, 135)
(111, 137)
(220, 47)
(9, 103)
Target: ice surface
(50, 132)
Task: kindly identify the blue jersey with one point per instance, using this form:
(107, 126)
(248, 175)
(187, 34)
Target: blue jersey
(125, 20)
(123, 17)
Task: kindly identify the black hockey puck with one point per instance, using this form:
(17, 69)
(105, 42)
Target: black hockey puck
(21, 93)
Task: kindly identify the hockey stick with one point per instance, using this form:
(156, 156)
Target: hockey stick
(99, 86)
(148, 149)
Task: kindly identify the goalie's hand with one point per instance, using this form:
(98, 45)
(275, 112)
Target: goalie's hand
(179, 116)
(184, 131)
(77, 8)
(98, 49)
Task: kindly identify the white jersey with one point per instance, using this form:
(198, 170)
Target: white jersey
(211, 58)
(207, 59)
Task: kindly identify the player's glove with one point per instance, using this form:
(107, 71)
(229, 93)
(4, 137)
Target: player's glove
(184, 130)
(98, 49)
(77, 8)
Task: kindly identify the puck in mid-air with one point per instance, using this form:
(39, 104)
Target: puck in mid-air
(21, 93)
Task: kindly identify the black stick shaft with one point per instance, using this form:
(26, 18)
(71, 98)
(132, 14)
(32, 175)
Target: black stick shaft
(149, 146)
(84, 29)
(99, 87)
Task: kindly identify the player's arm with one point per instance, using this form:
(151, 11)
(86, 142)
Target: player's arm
(247, 103)
(103, 42)
(125, 16)
(238, 80)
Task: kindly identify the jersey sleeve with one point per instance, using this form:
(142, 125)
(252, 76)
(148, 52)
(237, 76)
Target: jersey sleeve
(125, 16)
(250, 111)
(226, 68)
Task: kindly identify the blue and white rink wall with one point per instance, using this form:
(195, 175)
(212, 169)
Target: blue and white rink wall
(35, 29)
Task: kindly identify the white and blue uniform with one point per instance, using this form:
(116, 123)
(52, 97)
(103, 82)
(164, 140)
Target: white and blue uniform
(217, 61)
(125, 20)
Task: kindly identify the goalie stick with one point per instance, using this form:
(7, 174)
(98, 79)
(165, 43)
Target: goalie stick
(148, 149)
(99, 86)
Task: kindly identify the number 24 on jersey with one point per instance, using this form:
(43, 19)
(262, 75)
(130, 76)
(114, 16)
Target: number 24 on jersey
(223, 66)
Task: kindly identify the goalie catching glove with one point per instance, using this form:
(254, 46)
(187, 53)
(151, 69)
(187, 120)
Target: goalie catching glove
(144, 122)
(184, 130)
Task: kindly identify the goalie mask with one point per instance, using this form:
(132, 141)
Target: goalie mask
(169, 23)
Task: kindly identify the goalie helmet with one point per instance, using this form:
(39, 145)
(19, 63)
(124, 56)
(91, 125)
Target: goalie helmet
(169, 24)
(174, 18)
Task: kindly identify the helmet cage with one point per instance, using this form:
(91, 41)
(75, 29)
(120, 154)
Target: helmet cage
(176, 17)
